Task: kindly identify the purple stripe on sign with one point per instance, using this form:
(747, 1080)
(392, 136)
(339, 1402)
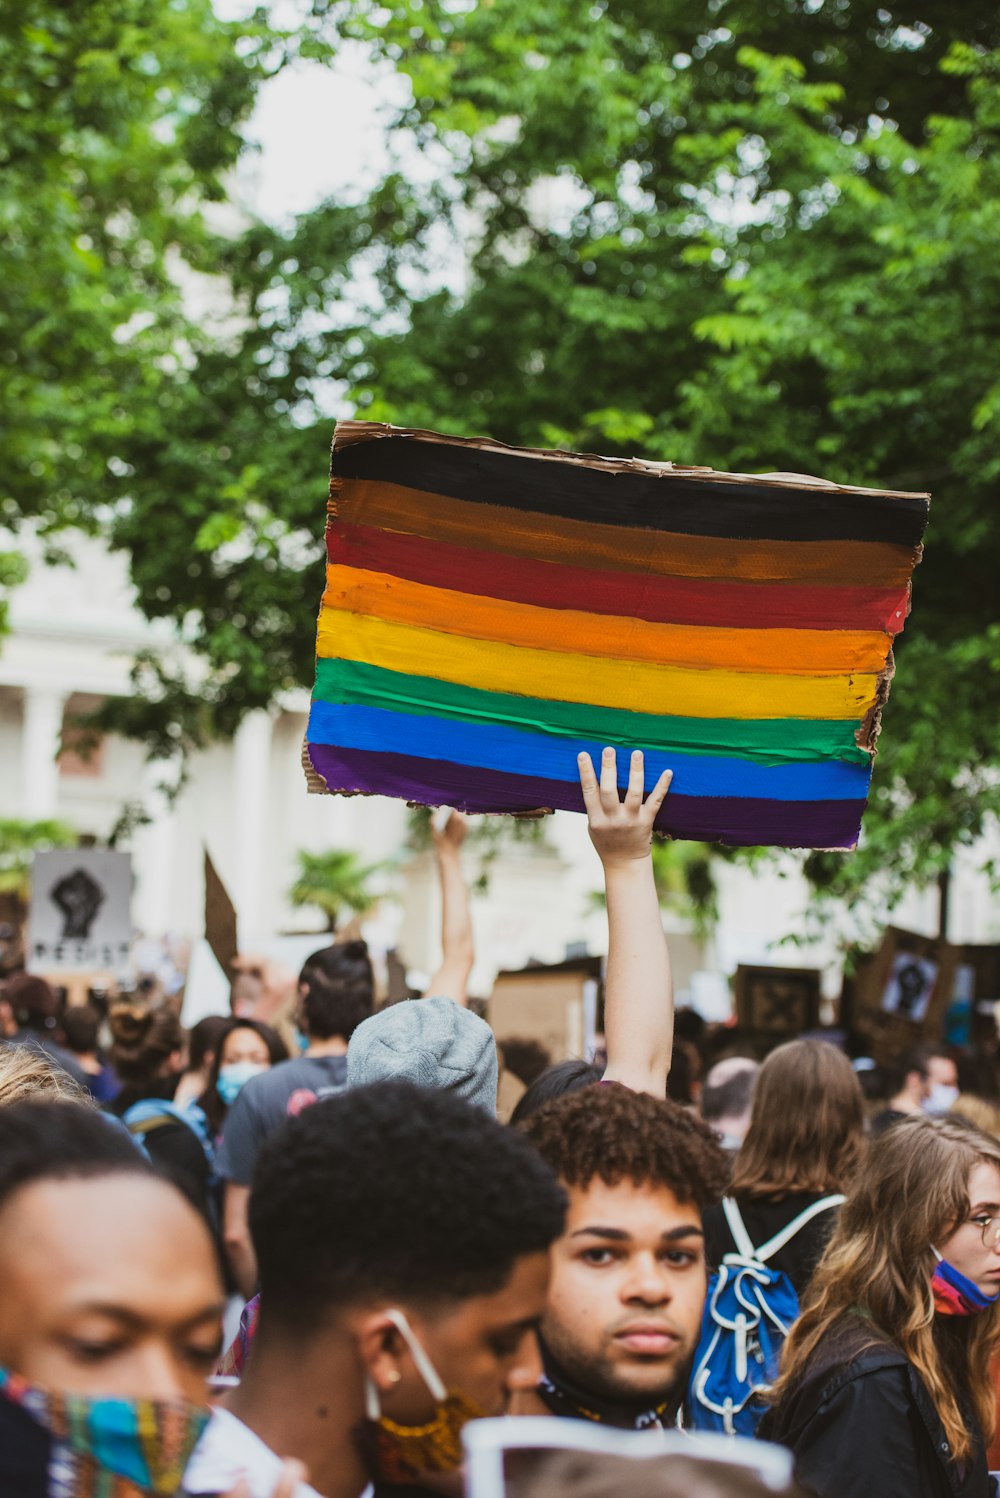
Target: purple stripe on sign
(739, 820)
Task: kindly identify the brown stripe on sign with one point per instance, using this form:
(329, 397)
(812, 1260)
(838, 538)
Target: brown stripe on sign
(392, 507)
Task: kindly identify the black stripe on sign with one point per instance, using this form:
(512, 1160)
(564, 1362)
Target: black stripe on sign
(674, 503)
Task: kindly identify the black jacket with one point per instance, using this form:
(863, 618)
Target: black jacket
(862, 1425)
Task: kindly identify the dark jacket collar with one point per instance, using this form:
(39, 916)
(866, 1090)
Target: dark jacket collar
(563, 1397)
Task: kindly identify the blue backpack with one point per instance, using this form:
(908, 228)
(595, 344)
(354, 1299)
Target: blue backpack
(748, 1314)
(153, 1113)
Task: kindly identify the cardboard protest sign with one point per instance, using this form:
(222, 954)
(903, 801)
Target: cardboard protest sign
(491, 611)
(220, 918)
(777, 1002)
(555, 1005)
(899, 996)
(80, 914)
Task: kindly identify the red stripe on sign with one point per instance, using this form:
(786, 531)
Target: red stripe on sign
(660, 599)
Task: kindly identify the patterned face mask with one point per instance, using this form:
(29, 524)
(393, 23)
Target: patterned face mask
(402, 1453)
(954, 1293)
(104, 1447)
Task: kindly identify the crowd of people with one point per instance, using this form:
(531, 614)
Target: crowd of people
(306, 1259)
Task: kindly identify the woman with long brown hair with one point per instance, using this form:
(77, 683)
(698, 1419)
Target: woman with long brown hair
(805, 1139)
(884, 1385)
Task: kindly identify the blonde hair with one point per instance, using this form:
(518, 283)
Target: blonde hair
(981, 1112)
(26, 1072)
(911, 1192)
(807, 1125)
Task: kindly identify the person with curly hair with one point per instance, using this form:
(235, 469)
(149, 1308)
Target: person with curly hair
(402, 1236)
(628, 1284)
(884, 1383)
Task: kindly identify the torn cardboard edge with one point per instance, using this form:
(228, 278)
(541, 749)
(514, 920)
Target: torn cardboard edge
(351, 433)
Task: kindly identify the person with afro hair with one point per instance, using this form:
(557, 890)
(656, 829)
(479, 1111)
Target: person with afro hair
(403, 1239)
(629, 1276)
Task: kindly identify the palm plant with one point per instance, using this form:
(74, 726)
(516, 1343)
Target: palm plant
(336, 882)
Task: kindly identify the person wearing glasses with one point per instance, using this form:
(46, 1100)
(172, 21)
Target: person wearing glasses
(885, 1383)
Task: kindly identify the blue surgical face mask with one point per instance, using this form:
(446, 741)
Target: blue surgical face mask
(301, 1040)
(233, 1078)
(941, 1098)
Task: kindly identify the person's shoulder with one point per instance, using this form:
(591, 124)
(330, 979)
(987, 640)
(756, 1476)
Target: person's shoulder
(331, 1070)
(854, 1349)
(886, 1119)
(263, 1090)
(292, 1085)
(229, 1450)
(226, 1449)
(25, 1448)
(857, 1368)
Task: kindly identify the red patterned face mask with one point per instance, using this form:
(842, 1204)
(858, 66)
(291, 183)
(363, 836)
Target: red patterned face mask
(955, 1294)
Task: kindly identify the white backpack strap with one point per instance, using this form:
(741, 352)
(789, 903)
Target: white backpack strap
(742, 1239)
(773, 1245)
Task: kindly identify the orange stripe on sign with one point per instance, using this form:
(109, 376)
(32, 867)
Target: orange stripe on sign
(791, 652)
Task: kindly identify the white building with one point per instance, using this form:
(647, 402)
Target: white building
(74, 632)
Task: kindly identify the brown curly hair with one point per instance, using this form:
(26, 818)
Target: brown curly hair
(142, 1040)
(612, 1134)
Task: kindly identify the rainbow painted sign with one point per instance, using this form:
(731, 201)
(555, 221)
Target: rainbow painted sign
(491, 611)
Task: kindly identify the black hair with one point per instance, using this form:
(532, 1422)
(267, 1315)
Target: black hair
(613, 1134)
(555, 1081)
(729, 1099)
(398, 1192)
(210, 1102)
(526, 1058)
(689, 1025)
(80, 1026)
(203, 1039)
(35, 1004)
(918, 1059)
(339, 990)
(681, 1076)
(43, 1141)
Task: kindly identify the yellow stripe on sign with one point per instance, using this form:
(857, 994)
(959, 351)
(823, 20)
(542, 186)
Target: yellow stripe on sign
(792, 652)
(638, 686)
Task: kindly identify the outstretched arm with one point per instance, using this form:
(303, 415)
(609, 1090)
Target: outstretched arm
(639, 993)
(452, 977)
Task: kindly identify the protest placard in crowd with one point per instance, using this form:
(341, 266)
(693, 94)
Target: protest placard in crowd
(490, 612)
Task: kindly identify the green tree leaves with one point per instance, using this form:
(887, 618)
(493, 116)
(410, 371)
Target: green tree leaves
(739, 234)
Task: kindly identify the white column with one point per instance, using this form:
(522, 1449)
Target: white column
(154, 853)
(251, 787)
(40, 732)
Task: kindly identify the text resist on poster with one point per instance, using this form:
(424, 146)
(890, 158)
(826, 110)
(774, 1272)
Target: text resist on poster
(80, 910)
